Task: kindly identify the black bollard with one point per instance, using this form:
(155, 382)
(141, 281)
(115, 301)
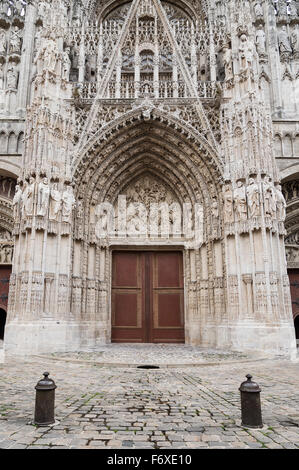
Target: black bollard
(251, 404)
(44, 401)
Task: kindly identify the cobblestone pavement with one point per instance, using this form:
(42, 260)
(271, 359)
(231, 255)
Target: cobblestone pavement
(113, 407)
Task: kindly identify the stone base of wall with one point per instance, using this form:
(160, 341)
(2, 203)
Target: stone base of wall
(53, 336)
(248, 338)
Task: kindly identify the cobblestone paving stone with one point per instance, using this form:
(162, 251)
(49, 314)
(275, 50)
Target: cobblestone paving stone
(114, 407)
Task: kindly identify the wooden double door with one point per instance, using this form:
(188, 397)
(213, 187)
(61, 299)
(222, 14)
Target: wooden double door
(147, 297)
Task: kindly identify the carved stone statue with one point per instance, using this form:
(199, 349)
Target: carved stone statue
(258, 10)
(43, 9)
(269, 197)
(55, 202)
(295, 41)
(43, 197)
(3, 41)
(12, 78)
(47, 55)
(228, 204)
(240, 201)
(1, 76)
(66, 64)
(68, 203)
(28, 197)
(293, 9)
(227, 62)
(15, 40)
(284, 41)
(282, 8)
(253, 197)
(17, 202)
(246, 52)
(280, 204)
(260, 40)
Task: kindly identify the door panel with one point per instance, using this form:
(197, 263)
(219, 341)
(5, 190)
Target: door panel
(127, 297)
(294, 284)
(147, 297)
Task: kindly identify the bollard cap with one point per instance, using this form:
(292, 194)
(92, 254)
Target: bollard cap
(46, 383)
(249, 386)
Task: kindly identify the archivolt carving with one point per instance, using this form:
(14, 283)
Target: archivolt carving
(162, 114)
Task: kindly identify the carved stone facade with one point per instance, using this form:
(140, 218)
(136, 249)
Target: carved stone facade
(150, 124)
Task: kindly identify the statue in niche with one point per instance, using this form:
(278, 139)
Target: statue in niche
(246, 52)
(284, 41)
(260, 40)
(28, 197)
(228, 204)
(227, 62)
(253, 197)
(66, 64)
(258, 10)
(292, 9)
(55, 202)
(282, 8)
(269, 197)
(240, 201)
(43, 197)
(215, 210)
(15, 40)
(3, 41)
(16, 202)
(12, 78)
(280, 204)
(68, 203)
(136, 219)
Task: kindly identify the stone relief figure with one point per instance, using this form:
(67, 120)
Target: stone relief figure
(280, 204)
(227, 62)
(15, 40)
(55, 202)
(68, 203)
(66, 64)
(43, 197)
(284, 41)
(228, 204)
(269, 197)
(253, 197)
(3, 41)
(215, 210)
(260, 41)
(28, 197)
(16, 202)
(12, 78)
(246, 52)
(240, 201)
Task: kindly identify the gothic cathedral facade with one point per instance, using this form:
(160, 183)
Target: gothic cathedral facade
(149, 162)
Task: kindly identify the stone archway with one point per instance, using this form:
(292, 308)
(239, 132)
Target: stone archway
(146, 159)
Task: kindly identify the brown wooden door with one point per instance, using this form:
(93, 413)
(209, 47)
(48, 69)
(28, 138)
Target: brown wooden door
(294, 284)
(147, 297)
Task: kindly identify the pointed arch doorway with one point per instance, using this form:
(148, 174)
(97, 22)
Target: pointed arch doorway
(147, 297)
